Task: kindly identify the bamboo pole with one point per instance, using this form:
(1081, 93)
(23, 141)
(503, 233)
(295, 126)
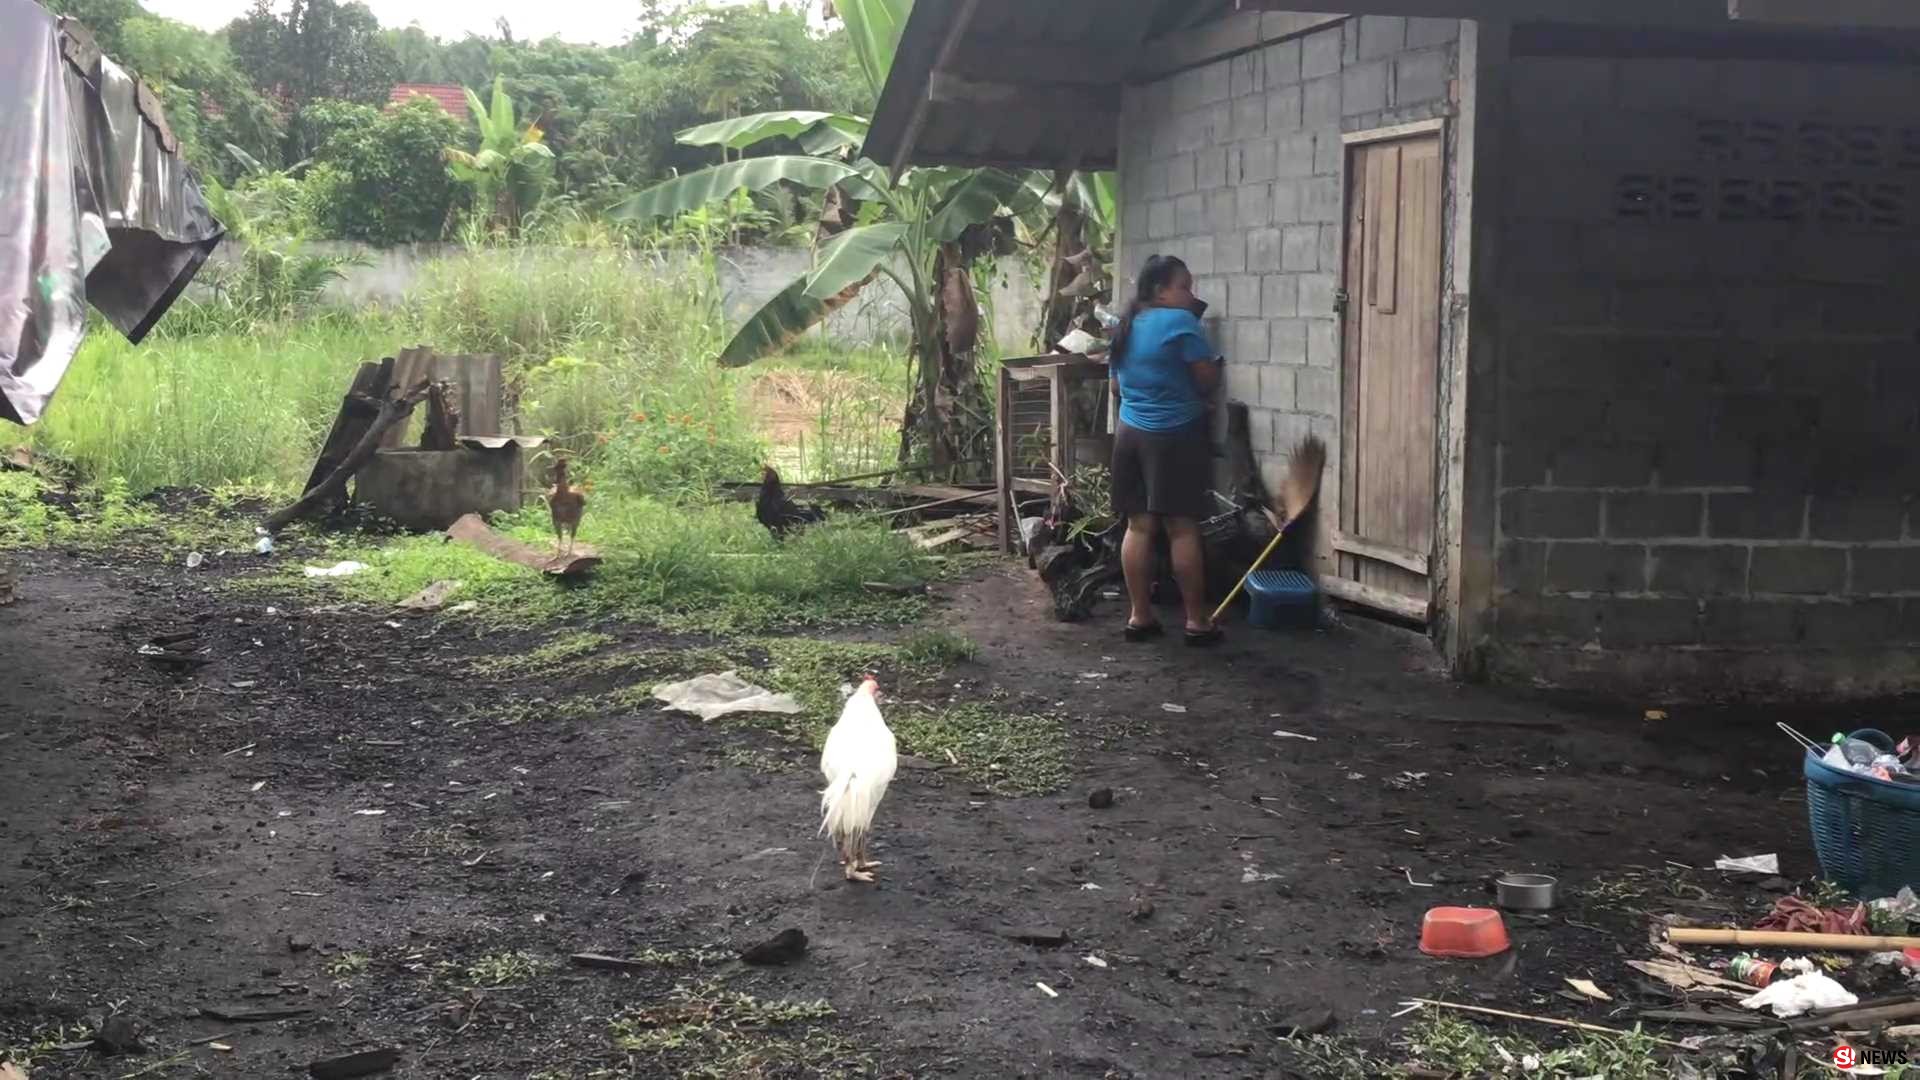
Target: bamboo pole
(1680, 935)
(1502, 1013)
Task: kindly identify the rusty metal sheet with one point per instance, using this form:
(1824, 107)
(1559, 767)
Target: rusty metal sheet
(96, 207)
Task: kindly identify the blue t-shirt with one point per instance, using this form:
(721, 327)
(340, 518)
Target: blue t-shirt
(1156, 389)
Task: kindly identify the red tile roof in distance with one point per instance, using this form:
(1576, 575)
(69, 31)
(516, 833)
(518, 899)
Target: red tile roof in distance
(449, 97)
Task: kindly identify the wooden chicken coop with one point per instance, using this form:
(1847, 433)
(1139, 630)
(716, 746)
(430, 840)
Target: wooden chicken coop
(1052, 415)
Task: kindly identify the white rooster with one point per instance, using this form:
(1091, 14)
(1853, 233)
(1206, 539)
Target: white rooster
(858, 761)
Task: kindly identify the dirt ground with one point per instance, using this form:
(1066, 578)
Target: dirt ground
(174, 843)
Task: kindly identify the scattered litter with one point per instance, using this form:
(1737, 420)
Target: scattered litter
(1093, 674)
(369, 813)
(263, 546)
(1356, 776)
(1295, 735)
(1416, 884)
(258, 785)
(1792, 914)
(1047, 990)
(1802, 993)
(220, 1046)
(1656, 715)
(1903, 904)
(432, 598)
(712, 696)
(391, 625)
(1089, 887)
(1095, 961)
(1751, 864)
(1172, 708)
(239, 749)
(1252, 875)
(195, 560)
(1406, 781)
(464, 607)
(1587, 987)
(340, 569)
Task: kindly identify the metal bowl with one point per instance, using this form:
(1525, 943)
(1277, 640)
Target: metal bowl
(1527, 892)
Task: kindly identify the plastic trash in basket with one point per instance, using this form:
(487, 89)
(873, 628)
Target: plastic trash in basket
(1866, 831)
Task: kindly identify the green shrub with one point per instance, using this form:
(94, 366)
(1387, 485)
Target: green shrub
(680, 455)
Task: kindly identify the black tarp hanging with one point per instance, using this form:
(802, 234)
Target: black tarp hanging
(95, 204)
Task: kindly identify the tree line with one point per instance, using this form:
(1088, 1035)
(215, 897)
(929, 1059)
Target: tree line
(295, 93)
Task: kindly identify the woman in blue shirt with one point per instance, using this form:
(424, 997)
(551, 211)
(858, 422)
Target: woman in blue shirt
(1162, 460)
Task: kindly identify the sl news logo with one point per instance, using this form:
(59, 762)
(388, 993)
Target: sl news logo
(1848, 1057)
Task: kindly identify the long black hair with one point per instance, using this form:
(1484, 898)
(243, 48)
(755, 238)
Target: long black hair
(1157, 274)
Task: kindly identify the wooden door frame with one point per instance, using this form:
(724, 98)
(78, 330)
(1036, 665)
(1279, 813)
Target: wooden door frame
(1355, 547)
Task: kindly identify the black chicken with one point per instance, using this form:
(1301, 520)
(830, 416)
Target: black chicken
(779, 513)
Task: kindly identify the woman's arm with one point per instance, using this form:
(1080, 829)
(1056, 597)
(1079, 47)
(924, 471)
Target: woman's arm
(1206, 376)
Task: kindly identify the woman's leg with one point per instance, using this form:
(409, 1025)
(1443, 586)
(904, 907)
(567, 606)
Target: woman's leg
(1136, 560)
(1190, 570)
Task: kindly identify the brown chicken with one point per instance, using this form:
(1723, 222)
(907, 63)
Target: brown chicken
(566, 505)
(778, 512)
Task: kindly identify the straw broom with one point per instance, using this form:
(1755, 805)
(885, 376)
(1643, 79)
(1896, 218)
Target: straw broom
(1297, 491)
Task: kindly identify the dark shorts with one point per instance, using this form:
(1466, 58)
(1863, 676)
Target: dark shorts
(1162, 472)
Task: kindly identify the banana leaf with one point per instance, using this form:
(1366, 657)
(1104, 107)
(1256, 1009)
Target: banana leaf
(854, 255)
(690, 192)
(874, 27)
(824, 129)
(784, 318)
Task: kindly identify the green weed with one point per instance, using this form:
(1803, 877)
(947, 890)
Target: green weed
(708, 1032)
(553, 654)
(502, 968)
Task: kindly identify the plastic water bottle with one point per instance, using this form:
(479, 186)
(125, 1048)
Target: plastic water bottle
(1107, 318)
(1856, 751)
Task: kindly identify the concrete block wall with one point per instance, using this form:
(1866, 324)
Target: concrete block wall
(1708, 381)
(1237, 168)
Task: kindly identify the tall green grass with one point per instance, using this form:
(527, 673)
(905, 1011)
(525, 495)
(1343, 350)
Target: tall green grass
(206, 411)
(609, 352)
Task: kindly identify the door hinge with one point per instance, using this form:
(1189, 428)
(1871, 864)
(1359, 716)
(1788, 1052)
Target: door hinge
(1340, 300)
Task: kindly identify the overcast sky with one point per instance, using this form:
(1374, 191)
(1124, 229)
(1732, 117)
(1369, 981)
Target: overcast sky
(602, 22)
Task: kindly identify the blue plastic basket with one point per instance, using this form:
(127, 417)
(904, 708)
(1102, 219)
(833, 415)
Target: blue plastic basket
(1866, 831)
(1282, 598)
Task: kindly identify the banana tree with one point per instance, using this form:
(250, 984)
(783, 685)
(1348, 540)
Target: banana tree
(921, 233)
(513, 167)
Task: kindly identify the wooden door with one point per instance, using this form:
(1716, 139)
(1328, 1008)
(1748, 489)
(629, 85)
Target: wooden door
(1390, 377)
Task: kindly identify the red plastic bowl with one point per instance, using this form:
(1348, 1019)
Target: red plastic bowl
(1464, 932)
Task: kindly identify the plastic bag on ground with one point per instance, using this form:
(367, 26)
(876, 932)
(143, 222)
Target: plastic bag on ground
(712, 696)
(339, 569)
(1801, 994)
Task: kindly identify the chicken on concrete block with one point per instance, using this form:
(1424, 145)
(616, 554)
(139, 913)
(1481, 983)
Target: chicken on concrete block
(859, 761)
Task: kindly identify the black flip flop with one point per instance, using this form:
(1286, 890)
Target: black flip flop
(1204, 638)
(1144, 633)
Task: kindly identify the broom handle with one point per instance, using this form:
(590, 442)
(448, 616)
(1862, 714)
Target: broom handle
(1242, 583)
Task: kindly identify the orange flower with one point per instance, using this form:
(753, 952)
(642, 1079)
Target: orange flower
(639, 418)
(666, 449)
(603, 438)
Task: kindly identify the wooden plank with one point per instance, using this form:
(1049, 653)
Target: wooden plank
(945, 88)
(1002, 460)
(473, 531)
(923, 103)
(1649, 13)
(1388, 233)
(357, 412)
(1385, 600)
(1405, 558)
(1396, 131)
(1240, 32)
(1888, 14)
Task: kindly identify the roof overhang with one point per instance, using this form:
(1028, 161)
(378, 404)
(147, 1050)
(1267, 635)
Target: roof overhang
(1037, 83)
